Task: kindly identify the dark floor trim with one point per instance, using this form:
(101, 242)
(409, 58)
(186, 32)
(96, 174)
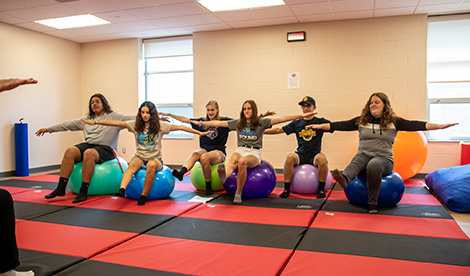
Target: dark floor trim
(57, 167)
(33, 170)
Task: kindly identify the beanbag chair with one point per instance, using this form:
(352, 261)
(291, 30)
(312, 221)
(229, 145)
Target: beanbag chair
(452, 186)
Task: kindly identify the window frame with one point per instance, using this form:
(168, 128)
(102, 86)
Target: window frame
(432, 100)
(189, 105)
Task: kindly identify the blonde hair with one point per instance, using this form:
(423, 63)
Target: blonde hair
(217, 116)
(216, 105)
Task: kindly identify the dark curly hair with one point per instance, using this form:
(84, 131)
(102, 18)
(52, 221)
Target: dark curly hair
(154, 122)
(254, 120)
(106, 106)
(388, 115)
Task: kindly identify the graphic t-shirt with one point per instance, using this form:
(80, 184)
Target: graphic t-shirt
(308, 140)
(216, 140)
(248, 137)
(148, 145)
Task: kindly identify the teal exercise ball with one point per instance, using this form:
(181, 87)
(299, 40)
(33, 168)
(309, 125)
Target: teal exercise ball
(197, 178)
(106, 179)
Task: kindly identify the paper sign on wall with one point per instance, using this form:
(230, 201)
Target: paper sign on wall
(293, 80)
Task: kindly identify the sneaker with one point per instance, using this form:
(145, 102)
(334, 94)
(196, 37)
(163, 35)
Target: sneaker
(339, 177)
(17, 273)
(321, 194)
(237, 199)
(373, 209)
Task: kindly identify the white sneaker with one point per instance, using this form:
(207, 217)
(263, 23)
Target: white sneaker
(17, 273)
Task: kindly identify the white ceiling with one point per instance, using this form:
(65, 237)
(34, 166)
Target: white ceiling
(159, 18)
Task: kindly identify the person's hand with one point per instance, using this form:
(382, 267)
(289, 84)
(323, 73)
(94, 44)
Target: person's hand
(41, 132)
(164, 113)
(9, 84)
(444, 126)
(316, 126)
(268, 113)
(88, 122)
(308, 114)
(206, 133)
(165, 119)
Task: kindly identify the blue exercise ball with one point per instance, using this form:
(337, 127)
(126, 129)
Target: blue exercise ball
(163, 184)
(260, 181)
(391, 190)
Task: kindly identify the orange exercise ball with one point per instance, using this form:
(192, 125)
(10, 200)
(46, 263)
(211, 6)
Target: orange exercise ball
(410, 151)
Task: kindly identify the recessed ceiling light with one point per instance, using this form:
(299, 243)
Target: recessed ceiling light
(226, 5)
(75, 21)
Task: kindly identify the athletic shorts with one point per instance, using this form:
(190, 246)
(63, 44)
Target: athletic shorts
(306, 158)
(146, 162)
(105, 152)
(248, 151)
(219, 151)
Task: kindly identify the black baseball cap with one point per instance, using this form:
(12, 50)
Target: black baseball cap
(307, 99)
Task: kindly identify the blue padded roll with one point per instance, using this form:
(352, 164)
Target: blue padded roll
(21, 149)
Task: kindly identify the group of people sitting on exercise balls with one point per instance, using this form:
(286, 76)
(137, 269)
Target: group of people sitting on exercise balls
(377, 125)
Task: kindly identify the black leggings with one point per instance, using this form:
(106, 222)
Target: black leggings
(8, 250)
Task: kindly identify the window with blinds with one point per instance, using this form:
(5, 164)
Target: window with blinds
(169, 77)
(448, 76)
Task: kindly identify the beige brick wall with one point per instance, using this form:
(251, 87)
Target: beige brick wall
(340, 64)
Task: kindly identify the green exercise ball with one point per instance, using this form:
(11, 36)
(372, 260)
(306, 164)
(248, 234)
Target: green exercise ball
(106, 179)
(197, 178)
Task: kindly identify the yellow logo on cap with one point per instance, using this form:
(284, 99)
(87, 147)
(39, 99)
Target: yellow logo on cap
(305, 99)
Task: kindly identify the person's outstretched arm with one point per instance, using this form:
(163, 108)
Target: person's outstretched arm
(190, 130)
(177, 117)
(9, 84)
(278, 120)
(69, 125)
(275, 130)
(211, 123)
(430, 126)
(122, 124)
(325, 126)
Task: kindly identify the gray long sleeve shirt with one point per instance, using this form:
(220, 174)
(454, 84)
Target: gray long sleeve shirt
(95, 134)
(374, 141)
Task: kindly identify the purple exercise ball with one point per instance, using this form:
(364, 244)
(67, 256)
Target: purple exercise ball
(305, 180)
(260, 181)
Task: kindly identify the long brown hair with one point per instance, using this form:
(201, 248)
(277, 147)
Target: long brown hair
(104, 101)
(154, 122)
(254, 120)
(388, 115)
